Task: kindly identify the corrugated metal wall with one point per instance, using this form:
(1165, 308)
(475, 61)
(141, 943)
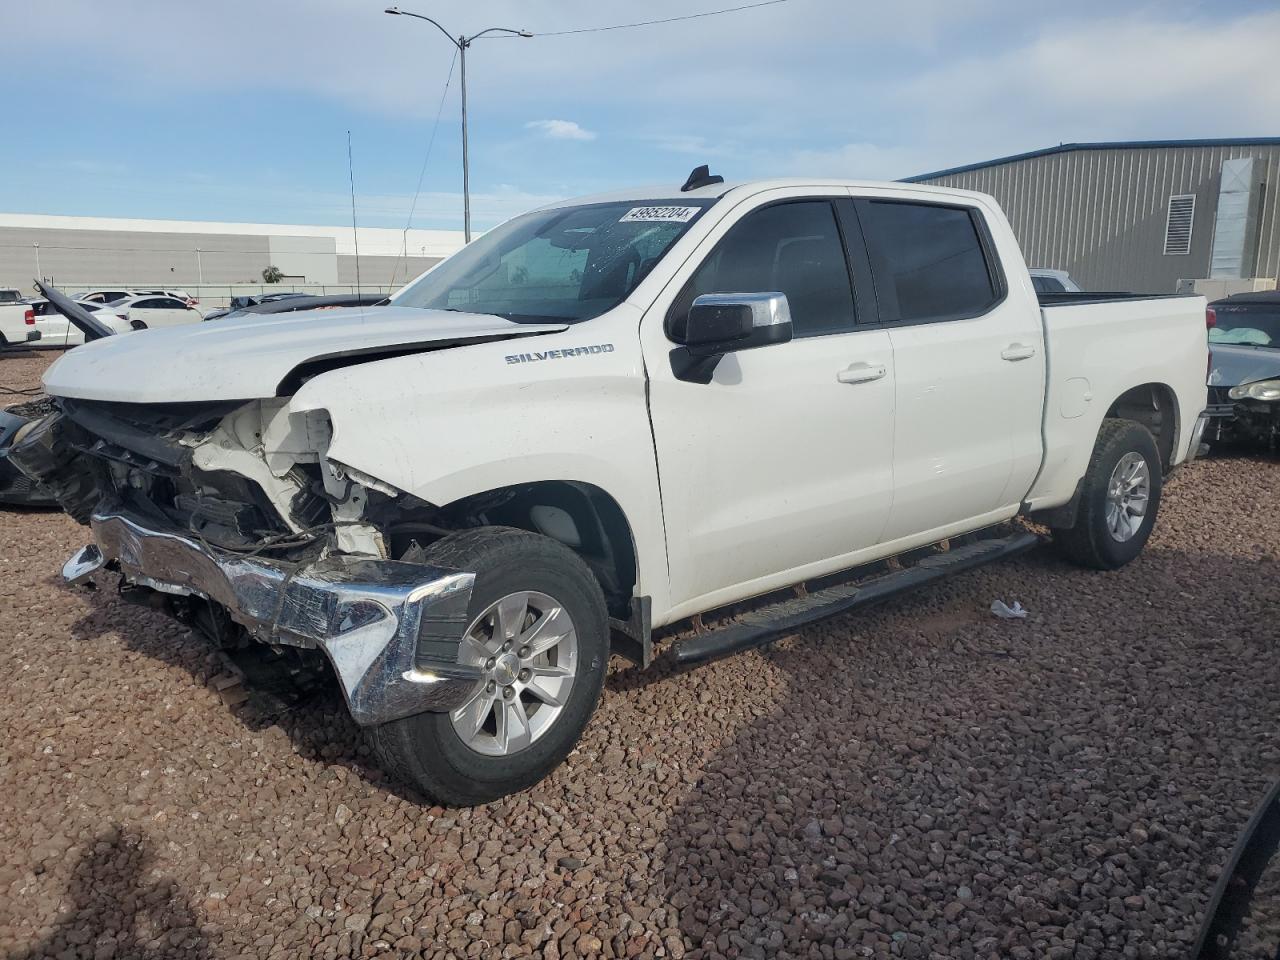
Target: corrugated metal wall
(1100, 213)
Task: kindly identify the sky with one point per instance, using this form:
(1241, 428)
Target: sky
(238, 110)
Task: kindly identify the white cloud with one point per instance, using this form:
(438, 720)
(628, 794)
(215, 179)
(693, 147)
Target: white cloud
(856, 161)
(1132, 77)
(849, 87)
(560, 130)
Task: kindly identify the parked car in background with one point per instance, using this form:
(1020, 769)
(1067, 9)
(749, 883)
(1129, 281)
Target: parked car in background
(17, 325)
(294, 303)
(1244, 367)
(16, 488)
(176, 294)
(1053, 281)
(57, 332)
(607, 416)
(145, 311)
(241, 303)
(104, 296)
(10, 296)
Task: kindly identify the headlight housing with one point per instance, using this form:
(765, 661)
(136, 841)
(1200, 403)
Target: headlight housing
(1259, 390)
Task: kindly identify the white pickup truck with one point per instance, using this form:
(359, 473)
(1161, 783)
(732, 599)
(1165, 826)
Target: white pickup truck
(17, 322)
(605, 417)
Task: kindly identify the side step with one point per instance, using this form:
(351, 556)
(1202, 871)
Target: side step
(768, 623)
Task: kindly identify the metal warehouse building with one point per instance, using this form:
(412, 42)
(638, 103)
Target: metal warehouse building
(1142, 216)
(86, 251)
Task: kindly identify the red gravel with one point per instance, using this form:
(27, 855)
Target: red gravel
(922, 780)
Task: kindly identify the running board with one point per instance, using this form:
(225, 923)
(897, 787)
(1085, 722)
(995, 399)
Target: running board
(768, 623)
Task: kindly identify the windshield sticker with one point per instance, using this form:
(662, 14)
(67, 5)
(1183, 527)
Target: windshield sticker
(659, 215)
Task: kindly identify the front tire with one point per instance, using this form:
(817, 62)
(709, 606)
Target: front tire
(1119, 499)
(539, 631)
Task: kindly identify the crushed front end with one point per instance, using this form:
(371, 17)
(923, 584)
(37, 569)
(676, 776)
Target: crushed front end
(1248, 413)
(229, 516)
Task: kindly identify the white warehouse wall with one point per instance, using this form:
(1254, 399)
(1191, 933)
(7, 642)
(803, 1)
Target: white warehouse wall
(99, 250)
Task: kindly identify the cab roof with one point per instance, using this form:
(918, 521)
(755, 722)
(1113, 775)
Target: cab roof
(672, 192)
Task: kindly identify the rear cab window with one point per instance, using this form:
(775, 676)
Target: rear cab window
(932, 262)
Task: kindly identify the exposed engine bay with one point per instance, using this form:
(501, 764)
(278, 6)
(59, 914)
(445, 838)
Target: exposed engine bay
(244, 477)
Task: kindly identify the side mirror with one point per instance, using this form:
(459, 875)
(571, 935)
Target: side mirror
(721, 323)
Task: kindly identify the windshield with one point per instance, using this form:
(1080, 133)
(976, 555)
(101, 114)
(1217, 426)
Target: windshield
(1256, 326)
(563, 265)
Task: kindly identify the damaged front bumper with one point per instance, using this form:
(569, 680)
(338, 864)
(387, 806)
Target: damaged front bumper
(368, 616)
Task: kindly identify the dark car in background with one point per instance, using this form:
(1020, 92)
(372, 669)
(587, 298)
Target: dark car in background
(242, 303)
(16, 489)
(1244, 368)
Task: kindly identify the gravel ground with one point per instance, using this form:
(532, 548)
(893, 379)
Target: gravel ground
(922, 780)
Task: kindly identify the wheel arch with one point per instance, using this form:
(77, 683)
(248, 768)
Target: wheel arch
(584, 517)
(1155, 406)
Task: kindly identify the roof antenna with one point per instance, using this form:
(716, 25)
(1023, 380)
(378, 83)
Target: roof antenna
(701, 177)
(355, 234)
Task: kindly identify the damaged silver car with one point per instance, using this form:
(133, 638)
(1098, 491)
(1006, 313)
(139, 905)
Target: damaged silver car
(1244, 369)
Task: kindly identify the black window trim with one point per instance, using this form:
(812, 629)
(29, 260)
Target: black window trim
(835, 202)
(995, 269)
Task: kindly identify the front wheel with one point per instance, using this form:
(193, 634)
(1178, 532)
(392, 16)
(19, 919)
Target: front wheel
(539, 633)
(1119, 498)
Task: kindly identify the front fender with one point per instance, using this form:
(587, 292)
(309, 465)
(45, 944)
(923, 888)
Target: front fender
(446, 425)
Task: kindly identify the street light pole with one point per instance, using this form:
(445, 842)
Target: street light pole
(466, 167)
(36, 244)
(199, 267)
(461, 43)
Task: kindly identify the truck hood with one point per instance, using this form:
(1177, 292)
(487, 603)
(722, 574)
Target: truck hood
(255, 356)
(1230, 365)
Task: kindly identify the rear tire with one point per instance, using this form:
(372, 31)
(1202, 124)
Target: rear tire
(1119, 499)
(137, 325)
(530, 712)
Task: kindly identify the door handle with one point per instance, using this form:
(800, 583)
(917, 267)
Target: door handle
(1018, 351)
(861, 373)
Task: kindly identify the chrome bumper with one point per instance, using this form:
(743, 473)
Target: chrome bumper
(366, 615)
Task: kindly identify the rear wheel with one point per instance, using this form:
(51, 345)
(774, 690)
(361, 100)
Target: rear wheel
(538, 632)
(137, 325)
(1119, 498)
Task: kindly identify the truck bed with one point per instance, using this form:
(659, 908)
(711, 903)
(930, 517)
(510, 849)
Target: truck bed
(1098, 296)
(1100, 345)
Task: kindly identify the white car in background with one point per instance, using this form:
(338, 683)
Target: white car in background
(56, 331)
(105, 296)
(176, 294)
(142, 312)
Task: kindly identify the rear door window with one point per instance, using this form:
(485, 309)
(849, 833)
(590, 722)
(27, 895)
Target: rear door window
(931, 262)
(794, 248)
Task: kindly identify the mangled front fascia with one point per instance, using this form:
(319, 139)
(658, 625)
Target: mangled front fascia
(264, 441)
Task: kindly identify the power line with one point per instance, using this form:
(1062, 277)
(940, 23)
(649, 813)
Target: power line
(649, 23)
(404, 247)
